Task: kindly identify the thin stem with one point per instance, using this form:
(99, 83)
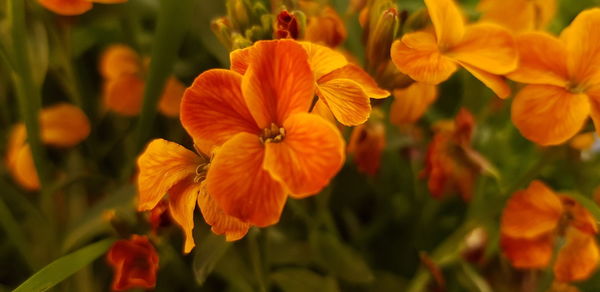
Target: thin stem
(255, 258)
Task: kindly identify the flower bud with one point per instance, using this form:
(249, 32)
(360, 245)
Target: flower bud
(382, 34)
(222, 29)
(238, 12)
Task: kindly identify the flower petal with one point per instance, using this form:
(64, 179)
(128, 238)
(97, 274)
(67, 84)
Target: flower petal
(67, 7)
(278, 82)
(583, 45)
(182, 201)
(580, 217)
(543, 60)
(418, 56)
(117, 60)
(494, 82)
(528, 253)
(63, 125)
(170, 100)
(578, 258)
(447, 20)
(327, 28)
(162, 165)
(220, 222)
(488, 47)
(123, 95)
(213, 108)
(311, 153)
(594, 96)
(346, 100)
(357, 74)
(24, 171)
(410, 103)
(322, 59)
(549, 115)
(239, 185)
(239, 60)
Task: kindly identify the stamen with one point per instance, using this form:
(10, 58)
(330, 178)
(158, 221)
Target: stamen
(272, 134)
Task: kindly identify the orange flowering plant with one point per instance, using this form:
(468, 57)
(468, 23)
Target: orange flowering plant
(299, 145)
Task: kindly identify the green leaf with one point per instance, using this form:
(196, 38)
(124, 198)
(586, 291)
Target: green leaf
(300, 280)
(62, 268)
(207, 254)
(339, 258)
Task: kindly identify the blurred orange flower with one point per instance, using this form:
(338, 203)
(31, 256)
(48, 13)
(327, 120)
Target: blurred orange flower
(486, 50)
(61, 125)
(518, 15)
(535, 218)
(563, 77)
(270, 145)
(367, 142)
(412, 102)
(168, 168)
(123, 72)
(135, 263)
(326, 28)
(73, 7)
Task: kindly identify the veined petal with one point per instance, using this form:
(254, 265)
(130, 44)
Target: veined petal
(278, 82)
(583, 45)
(542, 60)
(494, 82)
(24, 171)
(220, 222)
(531, 212)
(528, 253)
(357, 74)
(447, 20)
(123, 95)
(488, 47)
(239, 60)
(549, 115)
(311, 153)
(213, 108)
(170, 100)
(67, 7)
(418, 56)
(346, 100)
(322, 59)
(321, 109)
(182, 201)
(63, 125)
(240, 186)
(162, 165)
(578, 258)
(410, 103)
(117, 60)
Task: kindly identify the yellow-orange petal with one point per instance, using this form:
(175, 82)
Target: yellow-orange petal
(24, 171)
(578, 258)
(309, 156)
(346, 100)
(494, 82)
(162, 165)
(357, 74)
(447, 20)
(410, 103)
(418, 56)
(549, 115)
(213, 108)
(278, 82)
(583, 44)
(240, 186)
(123, 95)
(531, 212)
(323, 60)
(583, 141)
(182, 201)
(17, 138)
(117, 60)
(220, 223)
(528, 253)
(67, 7)
(542, 60)
(63, 125)
(170, 100)
(488, 47)
(321, 109)
(239, 60)
(593, 94)
(580, 217)
(326, 28)
(516, 15)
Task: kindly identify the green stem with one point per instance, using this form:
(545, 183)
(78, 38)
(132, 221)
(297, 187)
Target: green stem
(255, 258)
(15, 234)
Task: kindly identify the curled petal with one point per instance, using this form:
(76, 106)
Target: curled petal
(346, 100)
(240, 186)
(410, 103)
(528, 253)
(311, 153)
(549, 115)
(358, 75)
(63, 125)
(578, 258)
(447, 20)
(220, 222)
(182, 201)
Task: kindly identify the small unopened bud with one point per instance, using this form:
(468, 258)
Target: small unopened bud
(221, 27)
(382, 34)
(286, 26)
(237, 11)
(239, 42)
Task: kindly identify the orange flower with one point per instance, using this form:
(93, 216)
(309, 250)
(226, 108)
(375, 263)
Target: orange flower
(135, 262)
(367, 142)
(344, 87)
(123, 72)
(531, 222)
(518, 15)
(411, 103)
(73, 7)
(168, 168)
(563, 77)
(326, 28)
(61, 125)
(270, 145)
(485, 50)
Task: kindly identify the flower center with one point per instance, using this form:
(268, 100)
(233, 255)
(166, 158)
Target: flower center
(575, 88)
(201, 171)
(272, 134)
